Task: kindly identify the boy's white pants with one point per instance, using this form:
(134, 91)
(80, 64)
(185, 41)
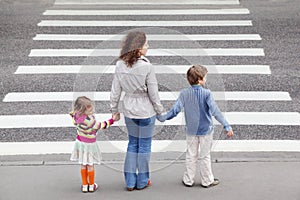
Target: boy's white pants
(193, 144)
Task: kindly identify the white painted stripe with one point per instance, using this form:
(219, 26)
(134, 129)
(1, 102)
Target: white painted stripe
(252, 96)
(145, 23)
(144, 2)
(164, 96)
(234, 11)
(151, 52)
(159, 69)
(150, 37)
(158, 146)
(234, 118)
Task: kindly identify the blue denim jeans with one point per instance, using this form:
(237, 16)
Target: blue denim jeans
(136, 167)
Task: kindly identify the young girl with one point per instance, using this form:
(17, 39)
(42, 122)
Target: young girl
(86, 150)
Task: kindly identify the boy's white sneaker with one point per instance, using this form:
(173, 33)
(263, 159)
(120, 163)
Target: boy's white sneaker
(93, 188)
(214, 183)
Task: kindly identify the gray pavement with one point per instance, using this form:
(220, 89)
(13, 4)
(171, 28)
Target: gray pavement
(245, 176)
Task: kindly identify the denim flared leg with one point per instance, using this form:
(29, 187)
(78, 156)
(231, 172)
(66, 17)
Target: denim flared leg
(144, 152)
(136, 168)
(130, 165)
(143, 161)
(131, 162)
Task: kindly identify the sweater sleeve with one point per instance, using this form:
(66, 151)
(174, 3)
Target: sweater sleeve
(215, 111)
(90, 123)
(103, 125)
(106, 124)
(177, 107)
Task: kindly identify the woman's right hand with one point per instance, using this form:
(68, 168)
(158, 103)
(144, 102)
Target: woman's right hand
(160, 118)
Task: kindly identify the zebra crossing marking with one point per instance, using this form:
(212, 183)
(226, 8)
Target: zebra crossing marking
(144, 2)
(151, 52)
(233, 11)
(122, 23)
(164, 96)
(150, 37)
(234, 118)
(158, 146)
(159, 69)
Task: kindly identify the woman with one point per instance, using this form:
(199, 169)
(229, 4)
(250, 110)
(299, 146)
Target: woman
(135, 76)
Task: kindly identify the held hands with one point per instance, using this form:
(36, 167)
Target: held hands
(161, 117)
(116, 116)
(229, 133)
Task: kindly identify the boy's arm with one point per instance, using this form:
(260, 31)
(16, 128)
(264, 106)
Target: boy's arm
(215, 111)
(177, 107)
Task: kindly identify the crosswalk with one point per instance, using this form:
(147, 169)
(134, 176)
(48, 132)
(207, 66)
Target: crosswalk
(150, 37)
(164, 96)
(162, 69)
(158, 146)
(144, 2)
(235, 118)
(239, 11)
(98, 23)
(195, 14)
(151, 52)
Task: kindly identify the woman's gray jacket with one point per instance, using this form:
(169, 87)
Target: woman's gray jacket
(139, 85)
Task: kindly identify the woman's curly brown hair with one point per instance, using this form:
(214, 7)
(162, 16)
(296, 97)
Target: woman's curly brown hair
(131, 46)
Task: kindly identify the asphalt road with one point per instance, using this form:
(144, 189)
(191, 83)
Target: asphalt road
(277, 23)
(255, 180)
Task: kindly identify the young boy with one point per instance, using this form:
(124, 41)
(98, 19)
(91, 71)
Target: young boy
(199, 107)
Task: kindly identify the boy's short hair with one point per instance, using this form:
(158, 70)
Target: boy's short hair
(196, 73)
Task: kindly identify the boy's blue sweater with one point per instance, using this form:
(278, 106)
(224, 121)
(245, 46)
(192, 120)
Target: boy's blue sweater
(199, 107)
